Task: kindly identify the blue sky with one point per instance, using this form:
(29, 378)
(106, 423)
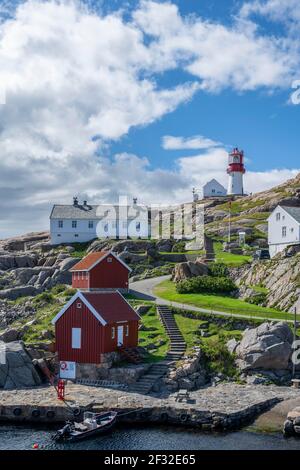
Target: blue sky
(143, 98)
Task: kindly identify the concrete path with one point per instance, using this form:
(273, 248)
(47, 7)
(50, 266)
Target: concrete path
(144, 290)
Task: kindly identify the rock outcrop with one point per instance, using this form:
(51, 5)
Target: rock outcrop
(189, 269)
(280, 276)
(16, 368)
(267, 347)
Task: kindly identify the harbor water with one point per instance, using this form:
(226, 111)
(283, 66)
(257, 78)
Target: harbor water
(145, 438)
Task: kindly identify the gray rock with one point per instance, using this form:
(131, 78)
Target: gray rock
(189, 269)
(232, 344)
(16, 368)
(9, 335)
(15, 292)
(265, 347)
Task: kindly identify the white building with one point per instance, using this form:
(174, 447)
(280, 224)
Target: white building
(85, 222)
(283, 228)
(213, 189)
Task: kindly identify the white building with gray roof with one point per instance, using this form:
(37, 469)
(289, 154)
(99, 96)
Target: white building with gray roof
(283, 228)
(85, 222)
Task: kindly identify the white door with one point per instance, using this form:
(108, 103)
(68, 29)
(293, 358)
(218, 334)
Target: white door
(120, 335)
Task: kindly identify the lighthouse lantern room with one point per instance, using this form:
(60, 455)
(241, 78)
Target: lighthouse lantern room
(236, 171)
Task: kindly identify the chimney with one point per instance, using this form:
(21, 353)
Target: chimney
(75, 201)
(85, 203)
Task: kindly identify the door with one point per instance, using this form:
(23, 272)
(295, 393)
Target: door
(120, 335)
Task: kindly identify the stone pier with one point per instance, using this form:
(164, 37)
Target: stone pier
(224, 407)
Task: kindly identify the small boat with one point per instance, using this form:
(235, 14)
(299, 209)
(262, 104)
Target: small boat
(92, 425)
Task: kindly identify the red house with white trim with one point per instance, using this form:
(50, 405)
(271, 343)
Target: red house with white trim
(92, 324)
(97, 320)
(101, 270)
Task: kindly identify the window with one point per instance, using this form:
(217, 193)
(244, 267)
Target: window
(76, 235)
(76, 338)
(79, 304)
(74, 223)
(213, 191)
(126, 330)
(91, 224)
(105, 227)
(138, 226)
(283, 232)
(278, 216)
(60, 224)
(113, 332)
(59, 235)
(292, 230)
(109, 260)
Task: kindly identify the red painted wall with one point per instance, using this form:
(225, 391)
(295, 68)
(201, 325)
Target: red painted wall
(109, 275)
(78, 282)
(95, 338)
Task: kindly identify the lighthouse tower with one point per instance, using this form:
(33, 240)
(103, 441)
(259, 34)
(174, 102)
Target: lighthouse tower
(236, 171)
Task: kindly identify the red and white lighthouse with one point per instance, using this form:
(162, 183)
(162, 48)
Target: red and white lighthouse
(236, 171)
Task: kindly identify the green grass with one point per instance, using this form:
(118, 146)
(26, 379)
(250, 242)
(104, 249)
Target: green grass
(167, 290)
(214, 346)
(154, 335)
(229, 258)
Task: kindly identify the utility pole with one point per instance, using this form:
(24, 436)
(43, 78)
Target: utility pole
(295, 335)
(229, 226)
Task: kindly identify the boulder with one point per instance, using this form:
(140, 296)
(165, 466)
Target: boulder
(16, 368)
(164, 246)
(266, 347)
(189, 269)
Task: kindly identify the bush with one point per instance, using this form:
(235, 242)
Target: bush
(179, 247)
(206, 284)
(45, 297)
(218, 270)
(58, 289)
(218, 358)
(259, 299)
(70, 292)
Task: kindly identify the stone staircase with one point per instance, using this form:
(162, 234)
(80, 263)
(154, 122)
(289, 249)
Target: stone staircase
(177, 348)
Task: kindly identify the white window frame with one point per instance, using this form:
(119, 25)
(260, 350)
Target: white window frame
(109, 259)
(278, 216)
(60, 224)
(74, 223)
(126, 330)
(91, 224)
(79, 305)
(113, 332)
(284, 231)
(76, 338)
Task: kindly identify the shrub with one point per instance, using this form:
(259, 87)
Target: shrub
(218, 270)
(179, 247)
(58, 289)
(45, 297)
(206, 284)
(70, 292)
(259, 299)
(218, 358)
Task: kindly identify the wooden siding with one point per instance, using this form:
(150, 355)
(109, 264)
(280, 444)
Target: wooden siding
(95, 338)
(109, 275)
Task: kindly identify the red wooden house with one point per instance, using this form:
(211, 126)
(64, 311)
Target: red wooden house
(92, 324)
(101, 270)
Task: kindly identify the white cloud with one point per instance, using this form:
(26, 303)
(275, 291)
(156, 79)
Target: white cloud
(196, 142)
(71, 75)
(220, 56)
(287, 11)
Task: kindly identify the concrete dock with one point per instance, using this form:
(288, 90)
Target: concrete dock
(224, 407)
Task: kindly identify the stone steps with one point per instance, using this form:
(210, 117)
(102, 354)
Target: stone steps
(175, 353)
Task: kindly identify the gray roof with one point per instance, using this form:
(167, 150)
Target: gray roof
(88, 211)
(293, 211)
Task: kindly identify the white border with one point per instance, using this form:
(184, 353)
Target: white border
(80, 296)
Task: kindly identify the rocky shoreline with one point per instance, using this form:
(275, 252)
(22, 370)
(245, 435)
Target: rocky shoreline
(227, 406)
